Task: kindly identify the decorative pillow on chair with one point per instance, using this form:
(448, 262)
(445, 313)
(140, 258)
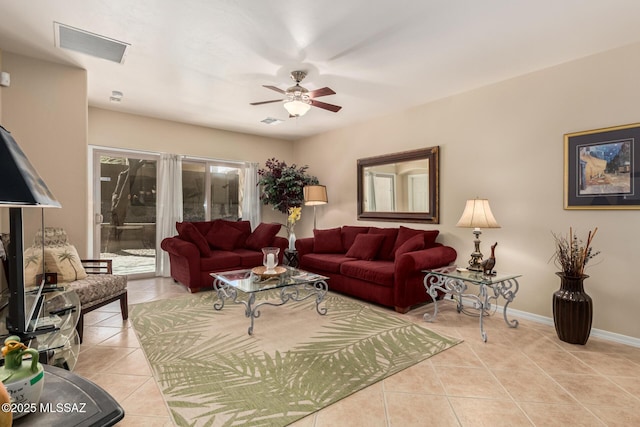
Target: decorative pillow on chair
(188, 232)
(223, 236)
(327, 241)
(262, 236)
(415, 243)
(65, 261)
(366, 246)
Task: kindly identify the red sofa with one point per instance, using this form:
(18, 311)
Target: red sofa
(204, 247)
(380, 265)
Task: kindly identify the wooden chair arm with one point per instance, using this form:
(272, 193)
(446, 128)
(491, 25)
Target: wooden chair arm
(97, 266)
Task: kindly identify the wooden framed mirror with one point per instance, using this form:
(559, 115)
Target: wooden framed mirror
(400, 186)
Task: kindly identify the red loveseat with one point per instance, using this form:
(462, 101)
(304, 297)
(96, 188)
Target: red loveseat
(204, 247)
(379, 265)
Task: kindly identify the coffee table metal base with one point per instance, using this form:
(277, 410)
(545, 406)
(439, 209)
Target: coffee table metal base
(289, 293)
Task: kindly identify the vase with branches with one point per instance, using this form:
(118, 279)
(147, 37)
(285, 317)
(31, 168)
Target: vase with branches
(572, 306)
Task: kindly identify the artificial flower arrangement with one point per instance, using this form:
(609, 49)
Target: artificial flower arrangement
(572, 253)
(282, 185)
(295, 214)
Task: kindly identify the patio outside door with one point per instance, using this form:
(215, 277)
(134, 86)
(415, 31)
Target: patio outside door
(125, 212)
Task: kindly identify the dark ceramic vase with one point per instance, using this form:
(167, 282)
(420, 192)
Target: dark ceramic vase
(572, 310)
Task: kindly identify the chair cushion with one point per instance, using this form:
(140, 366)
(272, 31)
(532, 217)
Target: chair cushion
(65, 261)
(327, 241)
(262, 236)
(366, 246)
(97, 288)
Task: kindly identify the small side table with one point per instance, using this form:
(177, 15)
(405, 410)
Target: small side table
(291, 258)
(453, 282)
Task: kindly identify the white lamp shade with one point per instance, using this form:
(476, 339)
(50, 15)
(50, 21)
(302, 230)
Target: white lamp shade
(315, 195)
(297, 108)
(477, 214)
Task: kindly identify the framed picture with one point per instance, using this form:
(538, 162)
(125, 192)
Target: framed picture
(601, 168)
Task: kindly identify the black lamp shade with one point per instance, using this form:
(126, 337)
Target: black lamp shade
(20, 184)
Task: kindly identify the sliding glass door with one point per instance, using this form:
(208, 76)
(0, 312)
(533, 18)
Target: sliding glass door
(125, 210)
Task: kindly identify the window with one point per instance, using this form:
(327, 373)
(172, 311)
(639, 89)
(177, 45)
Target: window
(211, 190)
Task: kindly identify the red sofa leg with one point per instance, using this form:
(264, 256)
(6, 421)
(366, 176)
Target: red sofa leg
(402, 310)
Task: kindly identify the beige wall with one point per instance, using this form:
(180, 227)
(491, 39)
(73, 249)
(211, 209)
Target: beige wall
(45, 109)
(505, 142)
(112, 129)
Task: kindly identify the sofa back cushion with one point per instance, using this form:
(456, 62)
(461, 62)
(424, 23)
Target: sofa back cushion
(262, 236)
(349, 233)
(366, 246)
(390, 235)
(223, 236)
(244, 227)
(187, 231)
(327, 241)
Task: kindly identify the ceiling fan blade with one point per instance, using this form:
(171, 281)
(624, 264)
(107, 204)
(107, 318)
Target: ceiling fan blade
(265, 102)
(321, 92)
(324, 105)
(277, 89)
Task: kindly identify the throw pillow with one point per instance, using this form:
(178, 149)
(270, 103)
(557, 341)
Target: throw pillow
(366, 246)
(404, 234)
(430, 238)
(188, 232)
(415, 243)
(245, 229)
(65, 261)
(349, 233)
(327, 241)
(390, 234)
(223, 236)
(262, 236)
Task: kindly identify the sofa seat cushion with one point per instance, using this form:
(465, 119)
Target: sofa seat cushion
(97, 288)
(219, 260)
(324, 262)
(249, 258)
(379, 272)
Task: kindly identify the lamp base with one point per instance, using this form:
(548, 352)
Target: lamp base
(475, 263)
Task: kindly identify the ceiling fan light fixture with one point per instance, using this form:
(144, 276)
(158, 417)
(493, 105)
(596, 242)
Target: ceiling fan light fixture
(297, 107)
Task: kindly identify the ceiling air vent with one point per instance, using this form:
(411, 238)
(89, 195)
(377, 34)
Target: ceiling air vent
(89, 43)
(271, 121)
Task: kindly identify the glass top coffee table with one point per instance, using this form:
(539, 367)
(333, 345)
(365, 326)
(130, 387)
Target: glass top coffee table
(294, 285)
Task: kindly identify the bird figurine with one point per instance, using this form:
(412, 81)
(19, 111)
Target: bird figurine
(489, 263)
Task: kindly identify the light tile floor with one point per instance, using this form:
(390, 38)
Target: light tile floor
(520, 377)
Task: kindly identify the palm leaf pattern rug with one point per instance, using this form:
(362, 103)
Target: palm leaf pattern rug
(212, 373)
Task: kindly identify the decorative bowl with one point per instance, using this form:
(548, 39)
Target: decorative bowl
(262, 272)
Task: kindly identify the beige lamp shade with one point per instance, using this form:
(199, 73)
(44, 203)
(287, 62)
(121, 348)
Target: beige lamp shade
(477, 214)
(315, 195)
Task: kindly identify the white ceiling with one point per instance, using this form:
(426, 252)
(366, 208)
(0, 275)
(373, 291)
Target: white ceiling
(204, 61)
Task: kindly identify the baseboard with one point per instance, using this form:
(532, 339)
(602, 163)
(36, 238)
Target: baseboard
(596, 333)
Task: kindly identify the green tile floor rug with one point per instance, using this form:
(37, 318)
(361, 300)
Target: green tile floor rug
(212, 373)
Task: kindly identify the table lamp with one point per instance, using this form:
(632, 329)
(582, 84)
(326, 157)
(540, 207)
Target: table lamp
(477, 214)
(315, 195)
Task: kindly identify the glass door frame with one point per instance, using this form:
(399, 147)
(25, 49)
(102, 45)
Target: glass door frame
(95, 212)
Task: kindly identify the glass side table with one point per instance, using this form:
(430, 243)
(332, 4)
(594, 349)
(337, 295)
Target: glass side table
(455, 282)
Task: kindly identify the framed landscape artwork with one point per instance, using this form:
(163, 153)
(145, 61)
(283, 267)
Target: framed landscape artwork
(601, 168)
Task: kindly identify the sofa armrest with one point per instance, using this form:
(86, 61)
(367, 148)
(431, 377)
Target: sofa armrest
(425, 259)
(181, 248)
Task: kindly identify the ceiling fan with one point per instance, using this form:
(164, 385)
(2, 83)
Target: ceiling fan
(298, 100)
